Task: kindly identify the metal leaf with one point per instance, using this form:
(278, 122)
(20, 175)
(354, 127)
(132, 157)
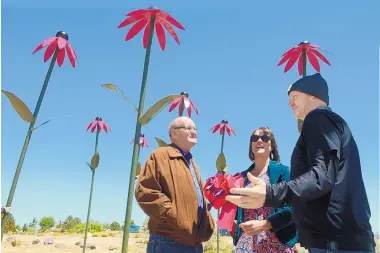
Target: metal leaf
(110, 86)
(138, 169)
(117, 89)
(161, 143)
(299, 124)
(156, 108)
(19, 106)
(34, 128)
(221, 162)
(95, 160)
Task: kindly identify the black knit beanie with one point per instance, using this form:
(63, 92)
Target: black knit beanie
(313, 85)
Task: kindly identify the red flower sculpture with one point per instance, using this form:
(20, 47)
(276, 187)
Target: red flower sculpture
(295, 53)
(143, 141)
(142, 17)
(60, 41)
(221, 126)
(216, 190)
(99, 124)
(184, 103)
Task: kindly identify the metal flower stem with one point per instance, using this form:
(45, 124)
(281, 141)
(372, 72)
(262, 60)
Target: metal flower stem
(217, 229)
(136, 145)
(92, 187)
(27, 140)
(304, 60)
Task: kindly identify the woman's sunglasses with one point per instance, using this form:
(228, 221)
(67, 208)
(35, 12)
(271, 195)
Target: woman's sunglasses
(264, 138)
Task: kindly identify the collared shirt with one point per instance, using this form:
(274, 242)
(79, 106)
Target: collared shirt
(188, 157)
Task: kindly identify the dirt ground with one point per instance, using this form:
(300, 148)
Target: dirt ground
(66, 243)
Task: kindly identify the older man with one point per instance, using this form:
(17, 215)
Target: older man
(326, 191)
(170, 192)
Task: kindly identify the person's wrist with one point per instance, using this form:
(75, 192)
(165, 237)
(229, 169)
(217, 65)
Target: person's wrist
(267, 225)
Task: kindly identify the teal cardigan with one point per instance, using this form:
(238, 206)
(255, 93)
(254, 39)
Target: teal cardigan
(281, 218)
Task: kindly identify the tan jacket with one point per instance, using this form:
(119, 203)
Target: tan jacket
(165, 192)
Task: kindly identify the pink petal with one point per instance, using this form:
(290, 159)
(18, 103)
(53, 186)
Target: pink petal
(146, 142)
(180, 108)
(146, 36)
(136, 28)
(228, 129)
(175, 103)
(94, 126)
(60, 57)
(61, 42)
(300, 65)
(50, 50)
(171, 20)
(90, 125)
(195, 108)
(215, 128)
(324, 59)
(138, 12)
(70, 54)
(130, 20)
(186, 102)
(170, 30)
(313, 60)
(160, 35)
(189, 112)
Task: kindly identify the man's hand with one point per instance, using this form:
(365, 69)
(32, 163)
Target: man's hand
(254, 227)
(250, 198)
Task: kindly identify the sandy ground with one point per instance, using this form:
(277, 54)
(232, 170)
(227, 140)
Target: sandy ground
(66, 243)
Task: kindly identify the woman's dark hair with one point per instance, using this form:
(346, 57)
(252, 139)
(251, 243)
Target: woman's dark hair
(274, 153)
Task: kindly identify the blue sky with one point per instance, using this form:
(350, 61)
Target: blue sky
(227, 61)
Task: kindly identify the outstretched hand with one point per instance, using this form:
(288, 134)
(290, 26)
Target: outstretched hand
(250, 198)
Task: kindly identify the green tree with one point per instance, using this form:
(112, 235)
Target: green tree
(25, 228)
(71, 222)
(47, 222)
(115, 226)
(132, 223)
(34, 222)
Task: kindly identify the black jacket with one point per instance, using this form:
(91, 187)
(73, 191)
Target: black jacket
(326, 189)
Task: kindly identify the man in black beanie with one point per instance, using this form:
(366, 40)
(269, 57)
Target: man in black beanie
(326, 190)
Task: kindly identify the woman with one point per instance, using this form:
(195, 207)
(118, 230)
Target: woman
(265, 229)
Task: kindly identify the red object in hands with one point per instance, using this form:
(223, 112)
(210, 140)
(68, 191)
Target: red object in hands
(223, 126)
(143, 141)
(292, 55)
(63, 45)
(183, 102)
(142, 18)
(99, 124)
(216, 189)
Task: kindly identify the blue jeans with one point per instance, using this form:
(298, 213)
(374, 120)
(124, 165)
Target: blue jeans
(335, 251)
(161, 244)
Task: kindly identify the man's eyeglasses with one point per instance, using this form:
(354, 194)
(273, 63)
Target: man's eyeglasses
(264, 138)
(188, 128)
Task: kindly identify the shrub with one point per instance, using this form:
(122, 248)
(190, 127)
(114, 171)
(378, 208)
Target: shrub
(10, 225)
(47, 222)
(115, 226)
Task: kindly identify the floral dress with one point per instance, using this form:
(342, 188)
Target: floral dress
(266, 241)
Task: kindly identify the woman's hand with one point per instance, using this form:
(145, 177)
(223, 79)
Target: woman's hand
(254, 227)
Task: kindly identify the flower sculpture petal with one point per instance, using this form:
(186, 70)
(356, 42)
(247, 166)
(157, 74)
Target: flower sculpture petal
(98, 124)
(295, 54)
(183, 103)
(143, 141)
(223, 126)
(60, 41)
(142, 18)
(216, 189)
